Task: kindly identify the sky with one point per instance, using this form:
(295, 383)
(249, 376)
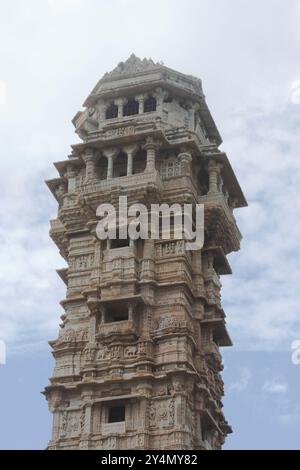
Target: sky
(52, 53)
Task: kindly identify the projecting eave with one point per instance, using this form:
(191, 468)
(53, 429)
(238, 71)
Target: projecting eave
(222, 265)
(63, 274)
(222, 334)
(63, 165)
(76, 117)
(205, 114)
(155, 75)
(53, 185)
(230, 179)
(209, 123)
(233, 185)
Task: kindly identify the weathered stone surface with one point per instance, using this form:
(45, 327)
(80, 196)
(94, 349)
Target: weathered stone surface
(150, 380)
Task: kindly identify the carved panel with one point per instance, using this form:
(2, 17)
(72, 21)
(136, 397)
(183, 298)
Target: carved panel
(161, 413)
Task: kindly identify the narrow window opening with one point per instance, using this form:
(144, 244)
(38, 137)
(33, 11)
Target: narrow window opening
(116, 414)
(131, 107)
(150, 105)
(119, 242)
(115, 314)
(111, 111)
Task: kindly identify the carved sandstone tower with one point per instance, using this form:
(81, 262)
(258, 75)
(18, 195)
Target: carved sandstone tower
(137, 356)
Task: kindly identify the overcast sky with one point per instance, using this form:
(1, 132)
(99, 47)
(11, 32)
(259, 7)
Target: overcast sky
(52, 53)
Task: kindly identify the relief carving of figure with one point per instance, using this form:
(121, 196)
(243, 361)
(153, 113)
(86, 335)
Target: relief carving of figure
(130, 351)
(102, 353)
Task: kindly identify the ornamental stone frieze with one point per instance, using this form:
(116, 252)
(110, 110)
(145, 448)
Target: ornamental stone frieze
(137, 358)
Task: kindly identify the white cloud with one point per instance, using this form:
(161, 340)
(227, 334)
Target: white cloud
(53, 54)
(242, 384)
(276, 385)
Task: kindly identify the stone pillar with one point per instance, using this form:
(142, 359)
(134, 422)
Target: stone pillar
(148, 259)
(185, 160)
(142, 421)
(110, 155)
(119, 102)
(151, 148)
(55, 428)
(213, 174)
(130, 312)
(192, 117)
(87, 424)
(60, 192)
(71, 177)
(159, 95)
(102, 110)
(96, 269)
(110, 167)
(198, 276)
(129, 163)
(141, 99)
(89, 159)
(130, 151)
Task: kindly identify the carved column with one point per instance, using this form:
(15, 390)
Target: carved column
(60, 192)
(130, 312)
(55, 428)
(110, 167)
(185, 160)
(119, 102)
(159, 95)
(87, 423)
(192, 116)
(71, 177)
(148, 259)
(129, 164)
(96, 269)
(197, 272)
(101, 110)
(141, 99)
(213, 174)
(110, 155)
(151, 148)
(89, 159)
(130, 151)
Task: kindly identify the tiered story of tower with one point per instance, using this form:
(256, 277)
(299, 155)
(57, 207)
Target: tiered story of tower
(137, 360)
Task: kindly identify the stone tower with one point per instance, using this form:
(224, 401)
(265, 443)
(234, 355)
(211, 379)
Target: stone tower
(137, 360)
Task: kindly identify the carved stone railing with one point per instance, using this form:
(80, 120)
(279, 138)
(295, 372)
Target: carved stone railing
(120, 268)
(115, 440)
(125, 327)
(218, 199)
(139, 179)
(113, 428)
(220, 222)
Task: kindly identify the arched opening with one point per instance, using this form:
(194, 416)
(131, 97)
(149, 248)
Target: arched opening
(131, 107)
(111, 111)
(203, 182)
(149, 105)
(139, 162)
(120, 165)
(101, 168)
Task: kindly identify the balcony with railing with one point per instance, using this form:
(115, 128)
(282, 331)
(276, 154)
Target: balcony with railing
(213, 349)
(220, 222)
(126, 328)
(131, 181)
(113, 428)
